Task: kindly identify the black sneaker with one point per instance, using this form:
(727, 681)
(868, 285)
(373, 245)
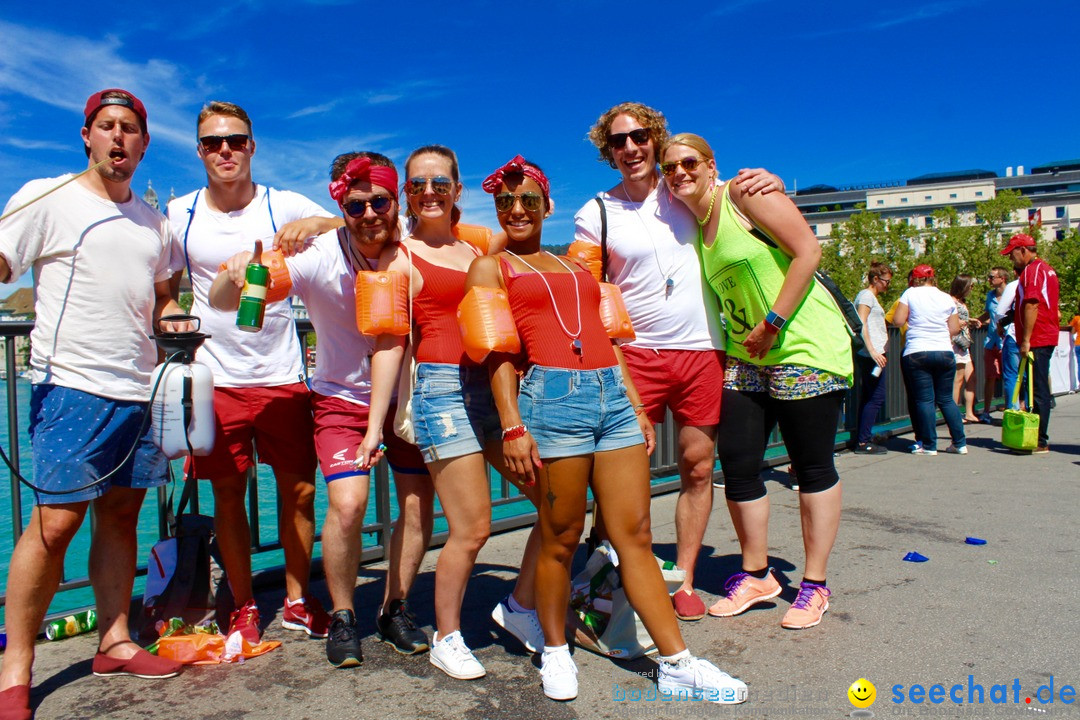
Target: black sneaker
(398, 629)
(869, 449)
(343, 644)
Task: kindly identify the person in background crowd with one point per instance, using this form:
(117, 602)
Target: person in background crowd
(1074, 323)
(788, 364)
(1036, 316)
(997, 278)
(101, 262)
(1010, 353)
(871, 358)
(929, 362)
(261, 399)
(965, 365)
(676, 359)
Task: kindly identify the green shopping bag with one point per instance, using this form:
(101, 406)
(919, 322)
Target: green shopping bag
(1019, 429)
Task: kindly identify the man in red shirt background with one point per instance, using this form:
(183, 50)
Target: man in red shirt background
(1037, 317)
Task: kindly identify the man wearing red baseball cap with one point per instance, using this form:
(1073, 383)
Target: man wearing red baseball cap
(101, 262)
(1037, 317)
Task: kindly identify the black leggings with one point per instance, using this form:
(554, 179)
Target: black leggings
(808, 427)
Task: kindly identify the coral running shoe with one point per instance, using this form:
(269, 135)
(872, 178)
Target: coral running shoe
(246, 622)
(306, 615)
(809, 606)
(742, 591)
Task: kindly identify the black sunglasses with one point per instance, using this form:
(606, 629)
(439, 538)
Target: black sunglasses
(618, 140)
(688, 164)
(380, 204)
(212, 143)
(530, 201)
(440, 185)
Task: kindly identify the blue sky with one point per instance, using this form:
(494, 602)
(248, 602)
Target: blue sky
(833, 93)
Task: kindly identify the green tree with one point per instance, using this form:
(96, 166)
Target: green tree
(185, 301)
(862, 239)
(1064, 256)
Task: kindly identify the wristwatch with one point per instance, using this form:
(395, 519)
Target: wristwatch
(776, 322)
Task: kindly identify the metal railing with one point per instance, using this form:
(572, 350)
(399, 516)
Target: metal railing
(893, 416)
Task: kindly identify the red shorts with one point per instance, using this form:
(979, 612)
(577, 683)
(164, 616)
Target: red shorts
(992, 363)
(274, 422)
(689, 382)
(340, 427)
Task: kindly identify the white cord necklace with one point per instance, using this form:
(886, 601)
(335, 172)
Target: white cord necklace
(669, 280)
(355, 257)
(575, 343)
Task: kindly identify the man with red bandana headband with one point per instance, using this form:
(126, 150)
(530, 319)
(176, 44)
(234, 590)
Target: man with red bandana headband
(324, 277)
(261, 401)
(101, 263)
(675, 361)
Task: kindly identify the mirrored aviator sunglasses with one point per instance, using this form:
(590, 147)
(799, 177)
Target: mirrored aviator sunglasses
(212, 143)
(531, 201)
(640, 136)
(440, 185)
(356, 208)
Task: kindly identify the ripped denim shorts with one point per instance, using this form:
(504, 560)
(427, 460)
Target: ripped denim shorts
(453, 411)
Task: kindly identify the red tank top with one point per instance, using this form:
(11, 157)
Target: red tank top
(435, 313)
(544, 340)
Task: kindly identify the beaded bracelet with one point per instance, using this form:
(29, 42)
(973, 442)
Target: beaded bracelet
(514, 432)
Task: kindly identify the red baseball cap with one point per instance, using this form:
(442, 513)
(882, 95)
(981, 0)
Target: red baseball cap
(1018, 241)
(98, 100)
(922, 271)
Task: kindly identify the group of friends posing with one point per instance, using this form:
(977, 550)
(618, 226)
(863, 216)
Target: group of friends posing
(1022, 317)
(572, 410)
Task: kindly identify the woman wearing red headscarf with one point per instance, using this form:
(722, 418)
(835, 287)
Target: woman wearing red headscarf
(578, 419)
(453, 414)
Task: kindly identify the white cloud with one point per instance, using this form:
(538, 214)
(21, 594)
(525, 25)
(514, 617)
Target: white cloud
(22, 144)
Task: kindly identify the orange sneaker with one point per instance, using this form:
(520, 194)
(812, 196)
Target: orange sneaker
(809, 606)
(742, 591)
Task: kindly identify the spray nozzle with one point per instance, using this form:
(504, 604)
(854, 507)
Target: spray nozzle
(186, 342)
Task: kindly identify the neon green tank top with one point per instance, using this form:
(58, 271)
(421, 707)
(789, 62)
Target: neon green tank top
(746, 274)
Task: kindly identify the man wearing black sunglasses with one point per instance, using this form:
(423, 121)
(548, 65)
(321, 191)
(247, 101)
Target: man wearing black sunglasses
(260, 398)
(646, 240)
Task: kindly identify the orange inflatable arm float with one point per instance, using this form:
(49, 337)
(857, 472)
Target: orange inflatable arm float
(487, 325)
(588, 253)
(382, 303)
(613, 313)
(476, 235)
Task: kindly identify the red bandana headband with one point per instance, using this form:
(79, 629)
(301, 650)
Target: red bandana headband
(361, 169)
(518, 165)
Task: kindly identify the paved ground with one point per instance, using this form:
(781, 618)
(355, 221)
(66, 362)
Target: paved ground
(999, 613)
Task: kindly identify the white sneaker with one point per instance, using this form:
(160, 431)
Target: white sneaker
(525, 626)
(920, 450)
(952, 449)
(559, 674)
(451, 655)
(696, 678)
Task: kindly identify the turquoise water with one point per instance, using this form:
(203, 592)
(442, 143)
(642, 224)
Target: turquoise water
(76, 559)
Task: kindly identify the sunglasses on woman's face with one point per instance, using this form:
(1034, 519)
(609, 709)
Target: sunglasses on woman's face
(618, 140)
(380, 204)
(212, 143)
(531, 201)
(440, 185)
(688, 164)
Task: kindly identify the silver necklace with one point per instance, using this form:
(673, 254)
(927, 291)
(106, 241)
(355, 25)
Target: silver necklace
(575, 343)
(668, 275)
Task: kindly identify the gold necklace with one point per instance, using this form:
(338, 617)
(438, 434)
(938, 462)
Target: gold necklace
(712, 202)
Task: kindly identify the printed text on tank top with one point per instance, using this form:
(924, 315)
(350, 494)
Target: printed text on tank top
(575, 340)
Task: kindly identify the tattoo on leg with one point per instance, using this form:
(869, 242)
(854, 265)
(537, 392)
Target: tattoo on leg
(551, 498)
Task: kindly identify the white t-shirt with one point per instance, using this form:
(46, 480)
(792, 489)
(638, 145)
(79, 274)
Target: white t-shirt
(324, 279)
(928, 319)
(647, 244)
(875, 321)
(95, 263)
(1005, 304)
(238, 358)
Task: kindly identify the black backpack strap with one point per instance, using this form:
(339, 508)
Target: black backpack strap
(603, 238)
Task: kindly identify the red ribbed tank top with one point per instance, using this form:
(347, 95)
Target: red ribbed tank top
(435, 313)
(543, 338)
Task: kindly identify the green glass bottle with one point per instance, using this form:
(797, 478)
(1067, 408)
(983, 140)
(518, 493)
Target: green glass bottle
(249, 316)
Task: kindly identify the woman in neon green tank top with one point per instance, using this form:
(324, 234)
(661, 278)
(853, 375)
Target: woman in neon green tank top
(788, 364)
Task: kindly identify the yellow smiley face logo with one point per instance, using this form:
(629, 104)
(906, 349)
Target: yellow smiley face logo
(862, 693)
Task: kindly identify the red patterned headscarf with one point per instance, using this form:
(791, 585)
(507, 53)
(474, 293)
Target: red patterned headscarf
(520, 165)
(361, 169)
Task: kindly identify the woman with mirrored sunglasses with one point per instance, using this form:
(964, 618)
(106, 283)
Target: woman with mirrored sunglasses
(453, 413)
(788, 363)
(576, 420)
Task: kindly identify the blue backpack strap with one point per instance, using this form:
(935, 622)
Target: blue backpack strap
(271, 209)
(190, 217)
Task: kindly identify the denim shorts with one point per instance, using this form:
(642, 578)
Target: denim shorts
(78, 437)
(453, 411)
(577, 412)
